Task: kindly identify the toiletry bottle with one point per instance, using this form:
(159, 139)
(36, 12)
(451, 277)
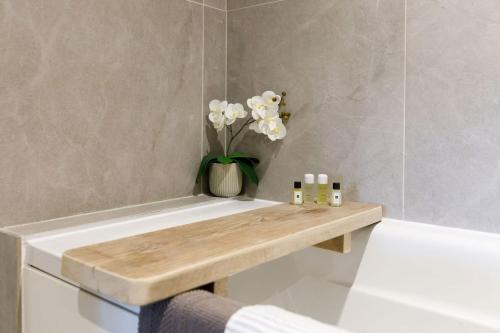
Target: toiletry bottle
(322, 193)
(297, 194)
(336, 198)
(308, 188)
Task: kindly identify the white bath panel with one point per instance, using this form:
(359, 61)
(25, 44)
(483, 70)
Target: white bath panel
(54, 306)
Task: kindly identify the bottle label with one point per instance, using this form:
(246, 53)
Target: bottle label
(297, 197)
(336, 198)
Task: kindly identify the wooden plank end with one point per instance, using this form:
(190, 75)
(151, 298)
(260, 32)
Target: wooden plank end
(341, 244)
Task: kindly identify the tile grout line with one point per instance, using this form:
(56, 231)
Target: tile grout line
(205, 5)
(403, 212)
(212, 7)
(226, 55)
(225, 79)
(202, 84)
(257, 5)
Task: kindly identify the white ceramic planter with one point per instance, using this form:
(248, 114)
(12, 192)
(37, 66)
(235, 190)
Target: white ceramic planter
(225, 180)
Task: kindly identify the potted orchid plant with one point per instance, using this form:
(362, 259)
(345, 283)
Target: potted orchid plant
(266, 117)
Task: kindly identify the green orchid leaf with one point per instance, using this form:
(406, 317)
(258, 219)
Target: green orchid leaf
(239, 155)
(248, 170)
(205, 162)
(245, 160)
(224, 159)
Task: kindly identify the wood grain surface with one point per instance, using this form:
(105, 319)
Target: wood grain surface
(149, 267)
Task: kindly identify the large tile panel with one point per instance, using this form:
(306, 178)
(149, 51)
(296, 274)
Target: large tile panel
(342, 65)
(100, 104)
(453, 113)
(215, 74)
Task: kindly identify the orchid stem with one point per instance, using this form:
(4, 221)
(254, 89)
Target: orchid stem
(233, 136)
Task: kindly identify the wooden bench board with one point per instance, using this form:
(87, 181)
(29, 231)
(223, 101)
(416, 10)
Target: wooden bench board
(153, 266)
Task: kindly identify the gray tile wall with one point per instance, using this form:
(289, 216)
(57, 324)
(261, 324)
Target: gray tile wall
(430, 154)
(101, 105)
(215, 73)
(342, 64)
(101, 102)
(453, 113)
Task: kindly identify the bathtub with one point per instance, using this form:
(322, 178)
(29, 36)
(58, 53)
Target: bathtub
(399, 277)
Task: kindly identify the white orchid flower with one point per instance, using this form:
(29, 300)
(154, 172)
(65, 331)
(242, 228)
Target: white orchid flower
(268, 120)
(217, 113)
(265, 112)
(278, 132)
(219, 126)
(255, 127)
(217, 106)
(216, 117)
(256, 104)
(270, 98)
(233, 112)
(259, 104)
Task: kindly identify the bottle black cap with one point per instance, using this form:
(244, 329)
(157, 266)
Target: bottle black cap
(297, 185)
(336, 186)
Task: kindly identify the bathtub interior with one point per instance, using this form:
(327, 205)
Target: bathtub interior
(400, 277)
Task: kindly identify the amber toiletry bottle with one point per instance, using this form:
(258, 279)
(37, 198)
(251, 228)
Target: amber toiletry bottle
(308, 188)
(322, 192)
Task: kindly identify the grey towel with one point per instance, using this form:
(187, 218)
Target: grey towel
(192, 312)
